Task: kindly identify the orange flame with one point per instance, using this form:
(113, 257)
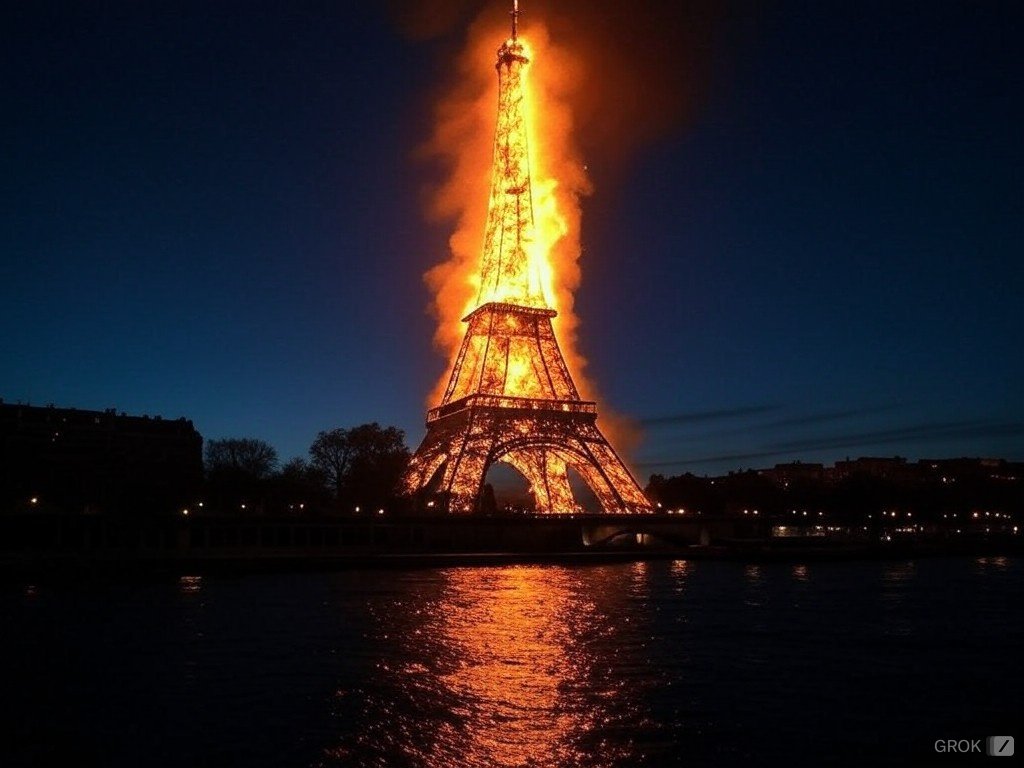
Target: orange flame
(462, 138)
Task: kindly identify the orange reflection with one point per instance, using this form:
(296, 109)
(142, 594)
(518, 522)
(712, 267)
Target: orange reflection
(681, 571)
(500, 666)
(515, 634)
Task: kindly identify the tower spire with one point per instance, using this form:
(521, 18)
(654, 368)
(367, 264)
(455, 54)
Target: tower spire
(510, 266)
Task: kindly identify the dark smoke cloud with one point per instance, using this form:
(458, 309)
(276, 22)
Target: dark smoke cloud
(684, 420)
(702, 417)
(825, 417)
(428, 19)
(646, 64)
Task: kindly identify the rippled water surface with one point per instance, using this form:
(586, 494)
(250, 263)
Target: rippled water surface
(648, 663)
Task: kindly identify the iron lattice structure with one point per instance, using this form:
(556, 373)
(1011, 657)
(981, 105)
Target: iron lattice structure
(510, 397)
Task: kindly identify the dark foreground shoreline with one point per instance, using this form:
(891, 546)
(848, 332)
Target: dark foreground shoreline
(34, 546)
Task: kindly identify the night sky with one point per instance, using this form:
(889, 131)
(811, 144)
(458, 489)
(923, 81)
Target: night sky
(214, 210)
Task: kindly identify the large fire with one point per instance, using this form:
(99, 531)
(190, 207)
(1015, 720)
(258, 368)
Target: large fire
(510, 396)
(464, 137)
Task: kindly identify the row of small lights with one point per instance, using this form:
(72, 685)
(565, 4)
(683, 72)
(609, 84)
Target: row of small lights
(911, 530)
(185, 511)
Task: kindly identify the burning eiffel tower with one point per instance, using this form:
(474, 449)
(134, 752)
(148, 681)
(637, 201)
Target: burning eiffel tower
(510, 397)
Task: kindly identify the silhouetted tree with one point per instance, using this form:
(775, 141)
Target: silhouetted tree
(363, 465)
(243, 455)
(237, 472)
(300, 472)
(686, 491)
(300, 487)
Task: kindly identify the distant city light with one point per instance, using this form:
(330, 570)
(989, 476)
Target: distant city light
(184, 512)
(33, 500)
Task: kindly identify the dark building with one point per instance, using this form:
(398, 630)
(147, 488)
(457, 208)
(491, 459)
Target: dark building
(796, 471)
(895, 468)
(70, 460)
(953, 470)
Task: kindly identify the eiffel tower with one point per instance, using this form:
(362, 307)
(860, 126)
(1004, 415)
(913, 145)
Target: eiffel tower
(510, 397)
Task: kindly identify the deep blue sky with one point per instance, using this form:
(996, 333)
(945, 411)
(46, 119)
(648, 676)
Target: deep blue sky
(213, 210)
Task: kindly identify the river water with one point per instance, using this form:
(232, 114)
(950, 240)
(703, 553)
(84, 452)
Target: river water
(647, 663)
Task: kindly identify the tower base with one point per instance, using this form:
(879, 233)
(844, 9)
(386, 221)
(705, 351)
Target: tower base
(542, 439)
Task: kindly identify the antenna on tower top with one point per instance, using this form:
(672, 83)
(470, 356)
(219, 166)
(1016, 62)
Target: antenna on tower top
(515, 19)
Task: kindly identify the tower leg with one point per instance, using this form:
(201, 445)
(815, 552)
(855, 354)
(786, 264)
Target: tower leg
(542, 446)
(548, 476)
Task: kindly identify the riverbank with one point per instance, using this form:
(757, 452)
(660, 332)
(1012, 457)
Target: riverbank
(38, 545)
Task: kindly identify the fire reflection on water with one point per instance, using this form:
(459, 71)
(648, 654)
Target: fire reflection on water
(518, 657)
(501, 668)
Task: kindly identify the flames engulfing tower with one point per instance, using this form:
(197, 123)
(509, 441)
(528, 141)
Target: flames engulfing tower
(510, 397)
